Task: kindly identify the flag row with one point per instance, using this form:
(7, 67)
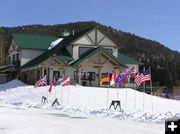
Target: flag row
(120, 79)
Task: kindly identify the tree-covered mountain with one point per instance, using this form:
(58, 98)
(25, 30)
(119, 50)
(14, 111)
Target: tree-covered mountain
(165, 63)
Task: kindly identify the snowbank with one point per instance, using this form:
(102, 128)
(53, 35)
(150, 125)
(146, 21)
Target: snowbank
(91, 101)
(12, 84)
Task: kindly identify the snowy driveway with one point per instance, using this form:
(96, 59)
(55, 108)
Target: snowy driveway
(37, 121)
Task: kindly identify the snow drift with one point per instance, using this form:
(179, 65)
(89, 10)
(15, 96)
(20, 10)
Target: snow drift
(92, 101)
(12, 84)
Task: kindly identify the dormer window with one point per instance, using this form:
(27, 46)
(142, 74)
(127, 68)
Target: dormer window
(109, 50)
(83, 50)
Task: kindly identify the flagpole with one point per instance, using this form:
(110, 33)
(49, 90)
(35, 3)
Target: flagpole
(107, 93)
(62, 95)
(68, 97)
(55, 93)
(143, 93)
(151, 88)
(135, 97)
(117, 94)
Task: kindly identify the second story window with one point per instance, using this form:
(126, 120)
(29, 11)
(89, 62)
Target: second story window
(17, 57)
(109, 50)
(83, 50)
(13, 59)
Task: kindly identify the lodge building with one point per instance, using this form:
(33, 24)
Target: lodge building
(84, 56)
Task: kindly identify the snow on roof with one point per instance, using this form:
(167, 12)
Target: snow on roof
(54, 43)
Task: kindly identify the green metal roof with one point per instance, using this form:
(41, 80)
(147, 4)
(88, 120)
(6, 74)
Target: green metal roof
(90, 53)
(33, 41)
(61, 53)
(128, 60)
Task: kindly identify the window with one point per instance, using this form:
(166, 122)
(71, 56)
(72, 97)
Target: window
(56, 74)
(9, 59)
(83, 50)
(109, 50)
(90, 76)
(13, 59)
(17, 57)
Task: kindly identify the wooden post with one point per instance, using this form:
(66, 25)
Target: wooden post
(99, 68)
(63, 71)
(99, 75)
(42, 74)
(78, 75)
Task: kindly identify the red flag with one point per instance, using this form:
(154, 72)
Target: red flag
(50, 88)
(124, 76)
(66, 81)
(41, 82)
(124, 79)
(113, 78)
(132, 72)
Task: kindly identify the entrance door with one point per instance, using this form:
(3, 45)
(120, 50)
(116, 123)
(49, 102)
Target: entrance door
(56, 74)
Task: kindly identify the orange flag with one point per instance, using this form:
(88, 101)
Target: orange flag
(105, 78)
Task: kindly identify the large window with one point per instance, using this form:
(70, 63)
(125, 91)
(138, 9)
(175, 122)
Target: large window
(83, 50)
(86, 75)
(109, 50)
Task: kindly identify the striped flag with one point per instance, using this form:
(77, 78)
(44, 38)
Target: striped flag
(113, 79)
(66, 81)
(140, 78)
(124, 76)
(105, 78)
(41, 82)
(132, 72)
(58, 82)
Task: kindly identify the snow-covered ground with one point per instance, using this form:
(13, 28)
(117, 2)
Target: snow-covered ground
(82, 110)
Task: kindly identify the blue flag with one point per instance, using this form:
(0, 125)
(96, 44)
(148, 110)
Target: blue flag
(58, 82)
(118, 79)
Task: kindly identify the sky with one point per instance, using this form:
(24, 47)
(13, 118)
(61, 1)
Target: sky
(157, 20)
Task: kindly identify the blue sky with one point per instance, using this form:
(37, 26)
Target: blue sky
(157, 20)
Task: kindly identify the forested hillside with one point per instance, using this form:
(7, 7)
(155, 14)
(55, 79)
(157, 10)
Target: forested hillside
(164, 62)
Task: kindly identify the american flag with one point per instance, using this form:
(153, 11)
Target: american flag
(141, 78)
(41, 82)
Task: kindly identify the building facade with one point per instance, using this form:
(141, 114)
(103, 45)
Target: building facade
(84, 56)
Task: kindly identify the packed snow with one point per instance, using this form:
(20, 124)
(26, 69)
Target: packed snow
(86, 105)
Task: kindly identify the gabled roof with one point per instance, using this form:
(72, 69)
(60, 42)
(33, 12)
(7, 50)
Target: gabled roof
(128, 60)
(59, 51)
(33, 41)
(92, 52)
(80, 34)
